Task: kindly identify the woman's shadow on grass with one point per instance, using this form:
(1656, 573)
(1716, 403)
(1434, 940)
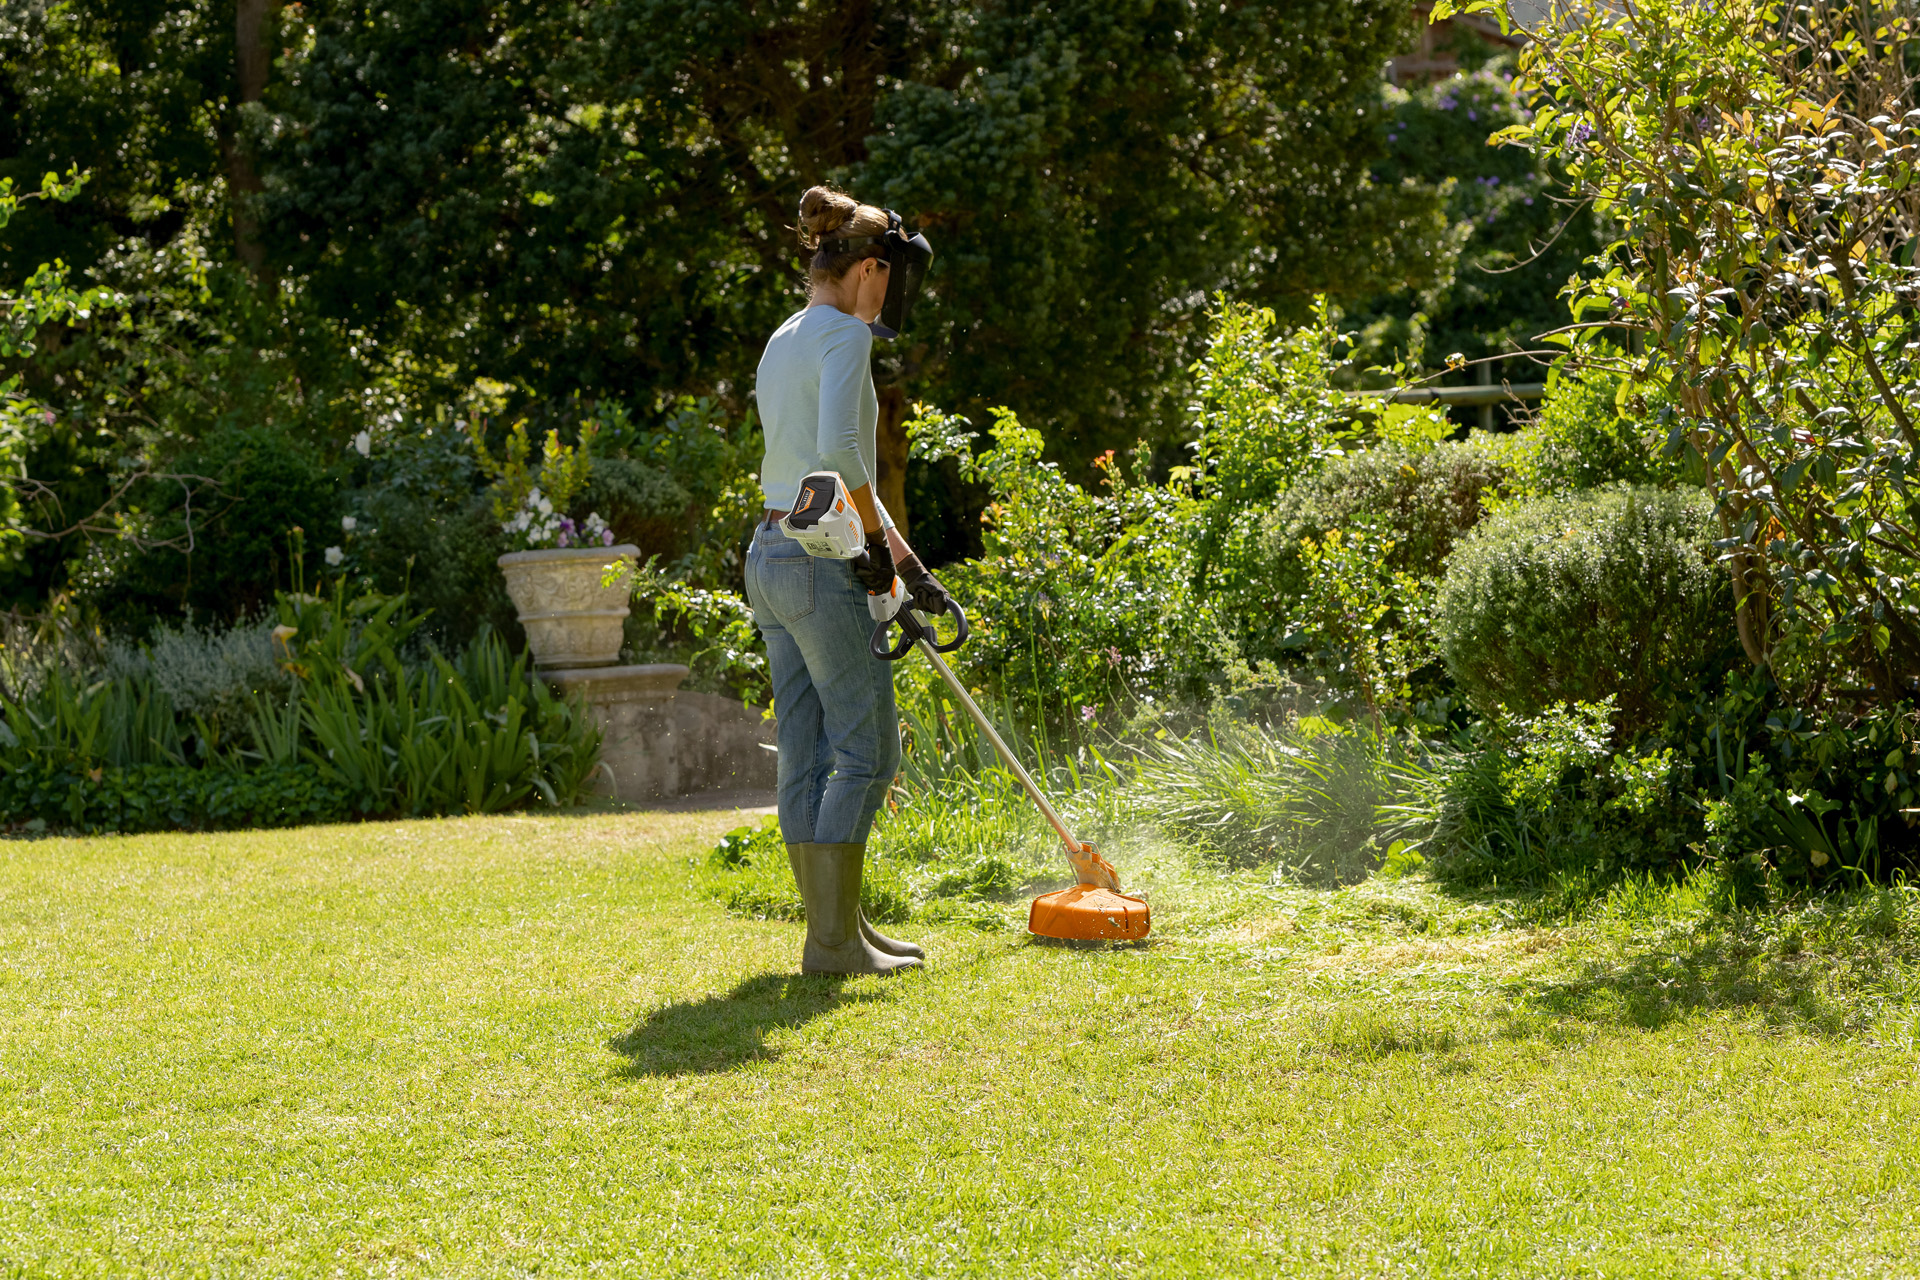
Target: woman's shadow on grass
(719, 1033)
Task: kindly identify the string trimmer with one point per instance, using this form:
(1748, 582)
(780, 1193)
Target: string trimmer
(824, 522)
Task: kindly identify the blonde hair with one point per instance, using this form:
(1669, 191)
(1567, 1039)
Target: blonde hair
(826, 214)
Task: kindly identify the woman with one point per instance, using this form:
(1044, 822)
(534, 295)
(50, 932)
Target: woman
(838, 733)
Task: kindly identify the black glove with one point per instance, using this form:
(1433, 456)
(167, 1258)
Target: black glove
(875, 568)
(929, 597)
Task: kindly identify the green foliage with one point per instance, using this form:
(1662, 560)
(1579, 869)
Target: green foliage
(1371, 623)
(1793, 797)
(1266, 411)
(1592, 430)
(423, 526)
(1757, 161)
(711, 632)
(1547, 799)
(1420, 500)
(270, 480)
(1504, 215)
(1253, 796)
(208, 672)
(44, 298)
(1608, 595)
(351, 723)
(474, 735)
(589, 176)
(43, 794)
(1767, 800)
(1136, 591)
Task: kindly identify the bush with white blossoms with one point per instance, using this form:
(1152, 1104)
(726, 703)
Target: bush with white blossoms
(537, 526)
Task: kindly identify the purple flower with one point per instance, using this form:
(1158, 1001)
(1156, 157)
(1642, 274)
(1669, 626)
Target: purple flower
(1473, 115)
(1581, 132)
(1086, 715)
(1489, 219)
(606, 537)
(1493, 180)
(1529, 200)
(563, 538)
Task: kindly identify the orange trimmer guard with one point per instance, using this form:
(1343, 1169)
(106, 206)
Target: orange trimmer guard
(1087, 913)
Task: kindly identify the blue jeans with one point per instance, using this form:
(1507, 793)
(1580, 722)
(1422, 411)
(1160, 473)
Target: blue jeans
(838, 732)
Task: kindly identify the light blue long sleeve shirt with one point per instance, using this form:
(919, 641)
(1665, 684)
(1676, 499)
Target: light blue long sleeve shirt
(818, 409)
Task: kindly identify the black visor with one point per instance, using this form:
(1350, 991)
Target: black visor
(907, 258)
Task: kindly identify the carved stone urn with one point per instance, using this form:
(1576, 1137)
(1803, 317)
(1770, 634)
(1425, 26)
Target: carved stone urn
(571, 619)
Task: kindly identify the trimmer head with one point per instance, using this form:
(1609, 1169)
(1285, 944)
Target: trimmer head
(1088, 913)
(1092, 910)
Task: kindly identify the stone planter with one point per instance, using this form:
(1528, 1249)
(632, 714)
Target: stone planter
(571, 620)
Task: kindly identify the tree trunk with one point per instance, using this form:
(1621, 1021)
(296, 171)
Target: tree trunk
(1750, 605)
(891, 447)
(251, 22)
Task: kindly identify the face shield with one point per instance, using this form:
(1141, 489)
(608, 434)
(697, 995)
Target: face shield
(907, 258)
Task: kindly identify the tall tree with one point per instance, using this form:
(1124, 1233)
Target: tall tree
(596, 199)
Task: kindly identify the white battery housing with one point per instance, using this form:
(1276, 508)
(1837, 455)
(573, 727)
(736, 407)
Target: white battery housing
(824, 521)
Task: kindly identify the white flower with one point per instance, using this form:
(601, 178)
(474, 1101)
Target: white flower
(363, 443)
(348, 523)
(546, 507)
(335, 555)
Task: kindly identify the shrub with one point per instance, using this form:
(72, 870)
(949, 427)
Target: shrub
(1423, 500)
(65, 795)
(1757, 268)
(1584, 437)
(208, 673)
(643, 504)
(1604, 596)
(1133, 591)
(1549, 798)
(226, 556)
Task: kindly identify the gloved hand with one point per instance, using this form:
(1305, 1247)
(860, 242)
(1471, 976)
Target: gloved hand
(929, 597)
(875, 568)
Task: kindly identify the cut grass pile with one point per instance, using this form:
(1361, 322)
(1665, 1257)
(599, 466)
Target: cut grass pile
(512, 1045)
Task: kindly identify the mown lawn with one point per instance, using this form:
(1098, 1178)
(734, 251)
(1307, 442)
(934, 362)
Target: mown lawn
(514, 1045)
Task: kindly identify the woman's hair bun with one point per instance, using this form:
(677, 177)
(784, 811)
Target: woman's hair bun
(822, 212)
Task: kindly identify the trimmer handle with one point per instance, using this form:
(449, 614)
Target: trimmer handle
(913, 628)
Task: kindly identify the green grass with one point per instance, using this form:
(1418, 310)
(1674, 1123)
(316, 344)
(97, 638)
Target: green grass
(519, 1045)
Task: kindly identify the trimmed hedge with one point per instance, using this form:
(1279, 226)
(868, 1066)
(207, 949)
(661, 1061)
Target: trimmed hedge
(1576, 599)
(167, 797)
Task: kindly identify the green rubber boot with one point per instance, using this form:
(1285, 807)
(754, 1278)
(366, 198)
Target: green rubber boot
(875, 938)
(829, 880)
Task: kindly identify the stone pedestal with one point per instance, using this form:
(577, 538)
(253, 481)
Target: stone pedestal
(662, 741)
